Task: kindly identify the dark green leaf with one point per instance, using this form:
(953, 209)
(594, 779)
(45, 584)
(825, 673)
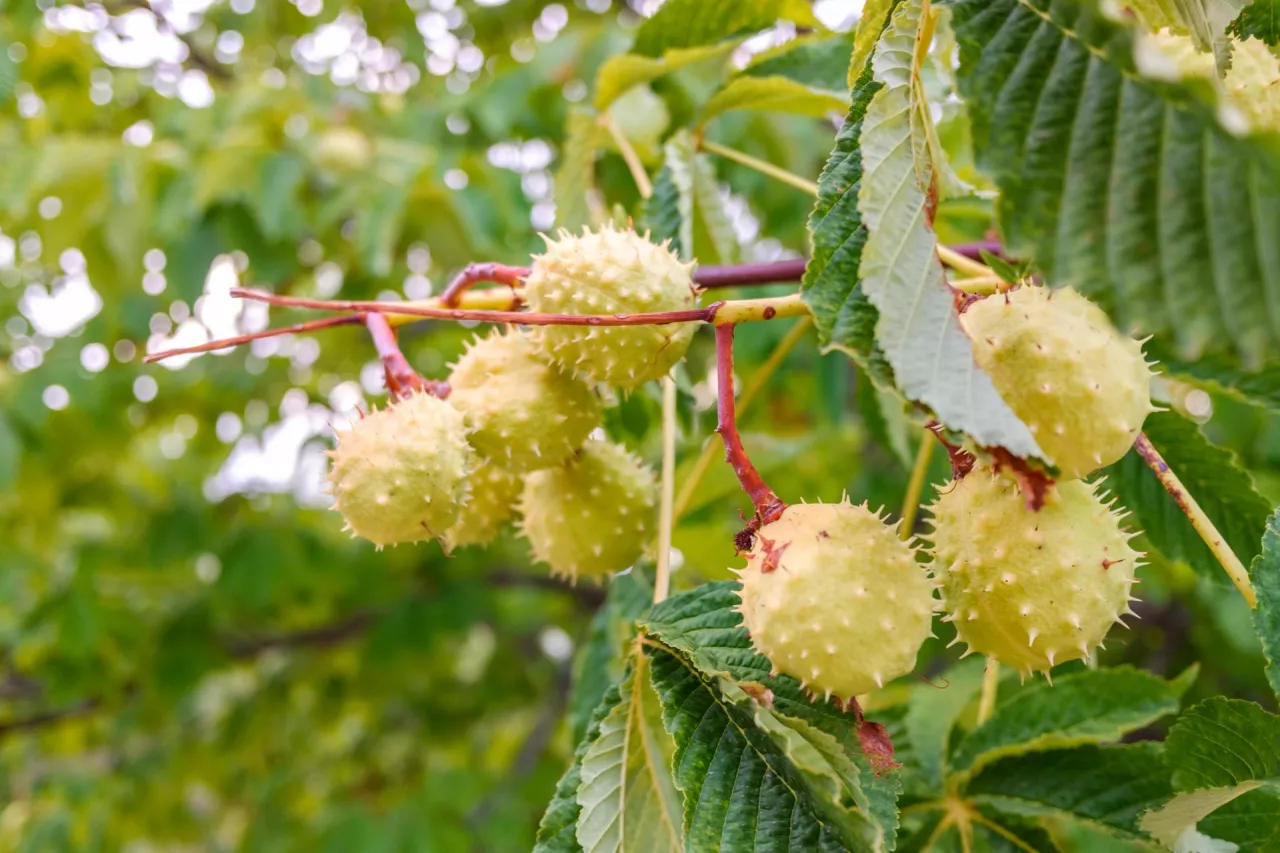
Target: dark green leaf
(575, 174)
(601, 660)
(691, 23)
(818, 62)
(661, 214)
(1211, 474)
(931, 715)
(1260, 20)
(1094, 706)
(1124, 187)
(1265, 573)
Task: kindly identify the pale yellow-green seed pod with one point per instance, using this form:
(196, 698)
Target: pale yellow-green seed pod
(611, 271)
(833, 597)
(1082, 388)
(1031, 589)
(524, 414)
(593, 515)
(400, 474)
(491, 505)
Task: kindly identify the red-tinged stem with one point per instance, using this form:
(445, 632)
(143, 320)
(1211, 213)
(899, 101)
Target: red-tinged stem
(767, 504)
(962, 461)
(660, 318)
(740, 275)
(975, 249)
(473, 274)
(223, 343)
(402, 380)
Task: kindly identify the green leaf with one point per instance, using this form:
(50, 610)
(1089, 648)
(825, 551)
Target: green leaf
(932, 714)
(661, 212)
(1218, 750)
(620, 73)
(557, 832)
(1093, 706)
(705, 230)
(918, 328)
(1107, 786)
(1211, 474)
(818, 62)
(1260, 20)
(1265, 573)
(1221, 374)
(8, 73)
(772, 94)
(378, 229)
(602, 659)
(742, 792)
(627, 796)
(1080, 143)
(10, 453)
(844, 317)
(276, 202)
(704, 628)
(871, 23)
(691, 23)
(575, 174)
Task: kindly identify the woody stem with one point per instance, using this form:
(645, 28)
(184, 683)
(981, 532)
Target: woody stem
(767, 504)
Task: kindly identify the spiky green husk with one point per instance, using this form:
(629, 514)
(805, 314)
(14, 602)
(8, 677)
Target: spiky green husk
(1029, 588)
(1082, 389)
(400, 474)
(494, 492)
(524, 413)
(610, 272)
(844, 607)
(591, 516)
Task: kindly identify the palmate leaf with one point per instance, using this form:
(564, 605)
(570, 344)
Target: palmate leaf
(1221, 751)
(1094, 706)
(627, 797)
(703, 629)
(1212, 474)
(918, 328)
(1123, 186)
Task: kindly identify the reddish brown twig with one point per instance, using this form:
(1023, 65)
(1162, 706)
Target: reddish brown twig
(525, 318)
(402, 379)
(975, 249)
(222, 343)
(768, 507)
(473, 274)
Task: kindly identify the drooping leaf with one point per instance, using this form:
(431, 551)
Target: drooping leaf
(705, 230)
(818, 62)
(741, 790)
(627, 797)
(1260, 20)
(1219, 750)
(575, 173)
(1211, 474)
(844, 317)
(1094, 706)
(1121, 185)
(557, 832)
(918, 328)
(1106, 786)
(703, 627)
(661, 214)
(691, 23)
(602, 658)
(620, 73)
(871, 23)
(1265, 574)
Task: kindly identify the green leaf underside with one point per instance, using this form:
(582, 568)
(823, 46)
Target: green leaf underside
(1171, 223)
(703, 628)
(1265, 573)
(1107, 786)
(1260, 20)
(691, 23)
(875, 14)
(844, 317)
(741, 791)
(601, 662)
(627, 796)
(1219, 751)
(1212, 474)
(1094, 706)
(557, 832)
(918, 328)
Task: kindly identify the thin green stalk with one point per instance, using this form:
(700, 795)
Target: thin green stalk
(911, 503)
(662, 580)
(762, 166)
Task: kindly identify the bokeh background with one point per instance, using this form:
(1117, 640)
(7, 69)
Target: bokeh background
(193, 657)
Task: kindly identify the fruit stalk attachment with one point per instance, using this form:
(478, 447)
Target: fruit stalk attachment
(768, 506)
(402, 379)
(1204, 526)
